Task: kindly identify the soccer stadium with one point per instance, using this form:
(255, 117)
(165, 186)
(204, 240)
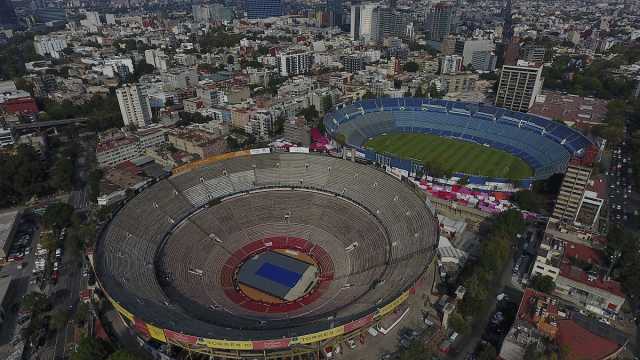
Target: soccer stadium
(265, 255)
(466, 138)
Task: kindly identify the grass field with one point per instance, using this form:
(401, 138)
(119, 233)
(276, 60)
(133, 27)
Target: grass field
(452, 155)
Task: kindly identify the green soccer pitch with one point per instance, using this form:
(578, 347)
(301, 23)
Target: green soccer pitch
(452, 155)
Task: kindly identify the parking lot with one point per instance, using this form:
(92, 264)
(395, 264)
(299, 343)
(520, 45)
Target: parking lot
(34, 269)
(19, 267)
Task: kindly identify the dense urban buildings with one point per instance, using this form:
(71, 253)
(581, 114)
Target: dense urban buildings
(134, 106)
(335, 8)
(261, 9)
(440, 20)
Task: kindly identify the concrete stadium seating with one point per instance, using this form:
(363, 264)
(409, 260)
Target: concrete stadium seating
(169, 257)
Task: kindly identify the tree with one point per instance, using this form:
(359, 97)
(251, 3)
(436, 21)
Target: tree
(122, 355)
(527, 200)
(34, 302)
(57, 216)
(103, 112)
(531, 352)
(543, 283)
(94, 184)
(464, 180)
(487, 353)
(419, 93)
(23, 175)
(219, 38)
(416, 351)
(274, 84)
(613, 134)
(91, 349)
(488, 76)
(495, 251)
(141, 68)
(411, 66)
(232, 143)
(310, 114)
(326, 103)
(15, 53)
(565, 352)
(435, 169)
(341, 139)
(49, 241)
(59, 319)
(82, 313)
(62, 176)
(458, 323)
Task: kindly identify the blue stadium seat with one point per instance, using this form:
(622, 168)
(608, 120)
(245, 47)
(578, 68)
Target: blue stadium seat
(544, 144)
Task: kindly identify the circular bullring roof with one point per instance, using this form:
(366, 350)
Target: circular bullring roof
(545, 145)
(265, 247)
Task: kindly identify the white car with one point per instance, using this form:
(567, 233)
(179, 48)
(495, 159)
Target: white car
(352, 344)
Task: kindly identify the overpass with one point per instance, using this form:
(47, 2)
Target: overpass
(51, 123)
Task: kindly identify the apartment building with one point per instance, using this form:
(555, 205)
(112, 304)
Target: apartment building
(440, 21)
(570, 197)
(114, 152)
(519, 85)
(548, 256)
(297, 131)
(6, 137)
(580, 274)
(134, 106)
(260, 123)
(118, 147)
(49, 45)
(296, 62)
(484, 61)
(458, 83)
(450, 64)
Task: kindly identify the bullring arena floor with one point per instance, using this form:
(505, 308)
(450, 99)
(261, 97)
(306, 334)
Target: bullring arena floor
(265, 256)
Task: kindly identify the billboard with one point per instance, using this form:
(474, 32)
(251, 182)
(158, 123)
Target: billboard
(260, 151)
(166, 335)
(226, 344)
(296, 149)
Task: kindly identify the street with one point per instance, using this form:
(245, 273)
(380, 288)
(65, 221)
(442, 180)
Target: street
(71, 281)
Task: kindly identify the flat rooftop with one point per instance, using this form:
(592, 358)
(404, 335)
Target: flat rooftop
(572, 109)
